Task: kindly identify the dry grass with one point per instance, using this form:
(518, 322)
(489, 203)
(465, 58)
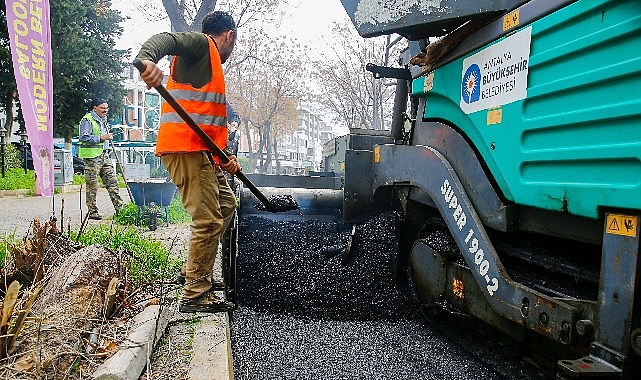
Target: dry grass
(65, 341)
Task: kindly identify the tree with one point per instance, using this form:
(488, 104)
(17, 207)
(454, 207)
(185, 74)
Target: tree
(265, 88)
(7, 79)
(187, 15)
(84, 62)
(349, 91)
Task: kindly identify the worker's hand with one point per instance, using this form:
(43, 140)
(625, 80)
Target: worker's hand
(232, 166)
(152, 75)
(107, 136)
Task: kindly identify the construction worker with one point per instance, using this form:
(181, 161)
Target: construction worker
(93, 149)
(197, 82)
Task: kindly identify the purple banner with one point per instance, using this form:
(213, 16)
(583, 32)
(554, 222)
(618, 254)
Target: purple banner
(30, 36)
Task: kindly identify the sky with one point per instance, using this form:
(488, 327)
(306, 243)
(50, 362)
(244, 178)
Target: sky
(306, 20)
(309, 21)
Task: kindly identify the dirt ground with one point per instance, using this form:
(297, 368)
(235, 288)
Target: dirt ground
(172, 355)
(173, 352)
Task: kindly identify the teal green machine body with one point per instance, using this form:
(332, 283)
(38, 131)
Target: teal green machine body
(521, 136)
(554, 108)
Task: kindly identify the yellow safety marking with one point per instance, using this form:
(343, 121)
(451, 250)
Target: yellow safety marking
(458, 288)
(494, 116)
(428, 82)
(341, 165)
(511, 20)
(377, 154)
(618, 224)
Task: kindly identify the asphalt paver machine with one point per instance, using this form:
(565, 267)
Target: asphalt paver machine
(514, 159)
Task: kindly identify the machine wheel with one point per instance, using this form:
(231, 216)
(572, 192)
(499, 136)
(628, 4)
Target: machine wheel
(228, 259)
(635, 341)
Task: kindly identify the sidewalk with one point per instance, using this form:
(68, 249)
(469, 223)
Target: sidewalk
(18, 211)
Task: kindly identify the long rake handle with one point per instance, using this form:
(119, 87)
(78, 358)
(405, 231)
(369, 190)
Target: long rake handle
(122, 170)
(206, 139)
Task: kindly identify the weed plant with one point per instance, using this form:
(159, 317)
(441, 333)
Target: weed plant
(15, 178)
(177, 214)
(149, 260)
(121, 181)
(127, 215)
(78, 179)
(5, 247)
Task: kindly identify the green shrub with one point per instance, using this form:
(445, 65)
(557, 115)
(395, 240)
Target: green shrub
(244, 163)
(149, 260)
(12, 157)
(177, 214)
(78, 179)
(15, 178)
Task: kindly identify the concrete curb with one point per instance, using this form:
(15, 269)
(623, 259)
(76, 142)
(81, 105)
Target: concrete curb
(212, 357)
(131, 359)
(69, 188)
(14, 193)
(64, 189)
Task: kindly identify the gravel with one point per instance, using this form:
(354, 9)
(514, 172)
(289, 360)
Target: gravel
(302, 315)
(276, 346)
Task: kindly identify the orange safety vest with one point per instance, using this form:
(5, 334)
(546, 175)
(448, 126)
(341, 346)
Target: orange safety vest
(206, 105)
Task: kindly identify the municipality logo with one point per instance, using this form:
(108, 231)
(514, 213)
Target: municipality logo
(471, 86)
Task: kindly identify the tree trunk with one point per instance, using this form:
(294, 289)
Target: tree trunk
(275, 148)
(68, 138)
(252, 157)
(176, 12)
(72, 301)
(9, 122)
(268, 149)
(261, 149)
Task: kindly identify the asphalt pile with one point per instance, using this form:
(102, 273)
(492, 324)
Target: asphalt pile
(279, 203)
(294, 268)
(304, 315)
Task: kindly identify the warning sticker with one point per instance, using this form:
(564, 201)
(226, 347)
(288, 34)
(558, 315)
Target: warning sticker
(511, 20)
(494, 116)
(458, 288)
(618, 224)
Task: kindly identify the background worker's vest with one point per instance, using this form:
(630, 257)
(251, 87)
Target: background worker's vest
(90, 149)
(206, 105)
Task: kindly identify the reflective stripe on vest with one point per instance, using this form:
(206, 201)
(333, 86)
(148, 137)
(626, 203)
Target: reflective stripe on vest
(87, 149)
(206, 105)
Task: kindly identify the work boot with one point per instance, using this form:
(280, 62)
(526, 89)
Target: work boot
(215, 284)
(206, 303)
(94, 215)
